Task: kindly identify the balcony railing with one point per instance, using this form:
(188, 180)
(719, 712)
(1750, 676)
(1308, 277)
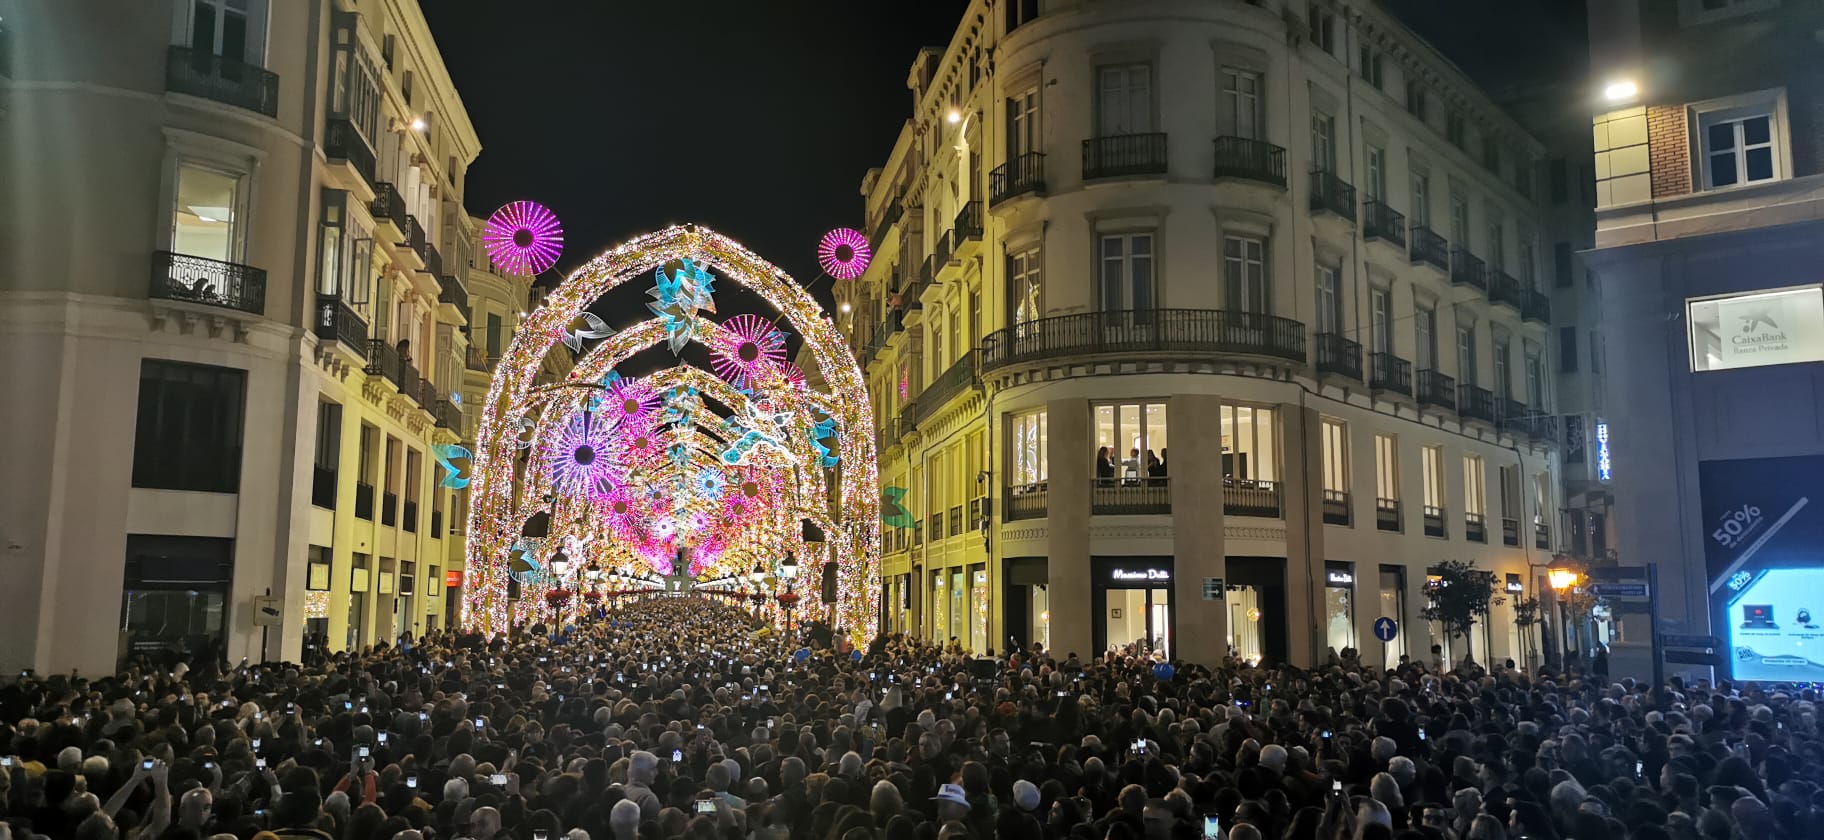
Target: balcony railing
(1467, 269)
(388, 206)
(1505, 289)
(1430, 248)
(1331, 193)
(1336, 507)
(202, 73)
(479, 361)
(364, 501)
(968, 224)
(1510, 532)
(1542, 535)
(1477, 403)
(208, 282)
(1339, 355)
(962, 374)
(337, 322)
(1250, 160)
(447, 414)
(1385, 223)
(389, 508)
(414, 238)
(1250, 497)
(1124, 154)
(384, 359)
(1387, 515)
(433, 260)
(1146, 331)
(454, 294)
(342, 141)
(1434, 521)
(1024, 174)
(1538, 307)
(1387, 372)
(1025, 501)
(887, 218)
(1133, 496)
(1436, 388)
(323, 487)
(1475, 527)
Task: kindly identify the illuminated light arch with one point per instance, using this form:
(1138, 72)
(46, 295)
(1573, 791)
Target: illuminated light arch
(511, 483)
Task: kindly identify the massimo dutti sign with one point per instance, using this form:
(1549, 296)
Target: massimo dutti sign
(1779, 327)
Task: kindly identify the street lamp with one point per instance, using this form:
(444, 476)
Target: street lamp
(788, 570)
(1564, 577)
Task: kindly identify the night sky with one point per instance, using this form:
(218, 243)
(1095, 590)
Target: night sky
(759, 119)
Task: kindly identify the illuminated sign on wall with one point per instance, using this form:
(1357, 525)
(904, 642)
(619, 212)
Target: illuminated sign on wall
(1603, 468)
(1141, 574)
(1777, 327)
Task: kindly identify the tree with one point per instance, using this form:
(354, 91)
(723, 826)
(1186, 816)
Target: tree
(1526, 614)
(1458, 598)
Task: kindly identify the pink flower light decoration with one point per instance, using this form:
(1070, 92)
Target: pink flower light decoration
(630, 403)
(844, 253)
(523, 238)
(745, 346)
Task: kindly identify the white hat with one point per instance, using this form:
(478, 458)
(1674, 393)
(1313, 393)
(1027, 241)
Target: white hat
(1026, 795)
(951, 793)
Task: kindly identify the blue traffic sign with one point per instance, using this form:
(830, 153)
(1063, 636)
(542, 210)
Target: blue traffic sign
(1386, 628)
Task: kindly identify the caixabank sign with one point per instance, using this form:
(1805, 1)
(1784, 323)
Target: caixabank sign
(1764, 555)
(1777, 327)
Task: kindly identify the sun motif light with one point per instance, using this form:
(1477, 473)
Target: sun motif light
(745, 346)
(579, 455)
(523, 238)
(844, 253)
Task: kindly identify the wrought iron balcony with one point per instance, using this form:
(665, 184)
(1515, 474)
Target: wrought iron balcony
(1387, 372)
(389, 208)
(337, 322)
(888, 217)
(1430, 248)
(962, 374)
(968, 224)
(1384, 223)
(199, 72)
(1250, 497)
(1025, 501)
(1333, 194)
(1124, 154)
(1387, 515)
(208, 282)
(1339, 355)
(414, 237)
(1476, 403)
(478, 360)
(343, 142)
(452, 293)
(1146, 331)
(1130, 496)
(448, 416)
(1336, 507)
(1504, 288)
(1434, 521)
(1466, 269)
(1022, 175)
(385, 360)
(1538, 307)
(1436, 388)
(1250, 160)
(433, 260)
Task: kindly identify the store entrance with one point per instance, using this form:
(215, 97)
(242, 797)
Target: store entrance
(174, 597)
(1133, 600)
(1257, 608)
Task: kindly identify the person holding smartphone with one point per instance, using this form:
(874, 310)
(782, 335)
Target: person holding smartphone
(360, 772)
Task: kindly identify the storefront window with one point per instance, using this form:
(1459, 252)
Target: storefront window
(1250, 443)
(1339, 606)
(1029, 468)
(1393, 605)
(1245, 623)
(978, 607)
(959, 608)
(1040, 610)
(940, 608)
(1132, 437)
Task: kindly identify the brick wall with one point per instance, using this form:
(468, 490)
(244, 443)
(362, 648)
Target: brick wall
(1669, 148)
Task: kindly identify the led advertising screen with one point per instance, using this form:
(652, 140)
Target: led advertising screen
(1764, 551)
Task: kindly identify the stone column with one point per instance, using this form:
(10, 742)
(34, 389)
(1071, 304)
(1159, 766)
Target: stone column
(1197, 527)
(1301, 503)
(1071, 453)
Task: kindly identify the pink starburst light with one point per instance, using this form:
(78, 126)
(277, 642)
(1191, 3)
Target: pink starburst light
(844, 253)
(745, 346)
(630, 403)
(523, 238)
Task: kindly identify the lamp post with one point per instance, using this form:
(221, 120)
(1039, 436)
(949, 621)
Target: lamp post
(1564, 577)
(788, 569)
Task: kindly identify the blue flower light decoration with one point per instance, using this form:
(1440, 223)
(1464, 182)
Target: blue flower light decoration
(447, 455)
(822, 430)
(711, 484)
(677, 299)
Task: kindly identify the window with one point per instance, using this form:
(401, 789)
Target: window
(975, 317)
(188, 430)
(937, 339)
(1596, 351)
(331, 234)
(1775, 327)
(1453, 128)
(1425, 330)
(370, 438)
(1030, 466)
(1562, 276)
(1510, 492)
(1523, 174)
(1504, 378)
(1466, 355)
(1528, 276)
(1380, 321)
(1329, 303)
(1459, 221)
(1475, 488)
(1535, 381)
(1371, 66)
(1567, 349)
(1250, 443)
(1738, 145)
(329, 435)
(386, 51)
(1133, 437)
(1415, 98)
(204, 222)
(1386, 468)
(957, 347)
(1124, 103)
(233, 29)
(1558, 172)
(1026, 285)
(1021, 12)
(1491, 152)
(1127, 272)
(1497, 241)
(1323, 142)
(1241, 102)
(1376, 183)
(1244, 274)
(1431, 458)
(1023, 122)
(405, 86)
(1323, 30)
(354, 87)
(1421, 200)
(494, 336)
(1336, 455)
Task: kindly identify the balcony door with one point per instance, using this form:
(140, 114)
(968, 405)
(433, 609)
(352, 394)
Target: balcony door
(1466, 356)
(1329, 303)
(1127, 281)
(1023, 123)
(204, 220)
(1241, 103)
(232, 29)
(1380, 321)
(1124, 103)
(1424, 328)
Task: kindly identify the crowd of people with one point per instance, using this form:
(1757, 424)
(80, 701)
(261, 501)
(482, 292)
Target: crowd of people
(678, 717)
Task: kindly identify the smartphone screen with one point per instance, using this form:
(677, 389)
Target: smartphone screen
(381, 737)
(1336, 786)
(677, 756)
(146, 765)
(706, 806)
(362, 752)
(1211, 828)
(498, 780)
(259, 764)
(412, 782)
